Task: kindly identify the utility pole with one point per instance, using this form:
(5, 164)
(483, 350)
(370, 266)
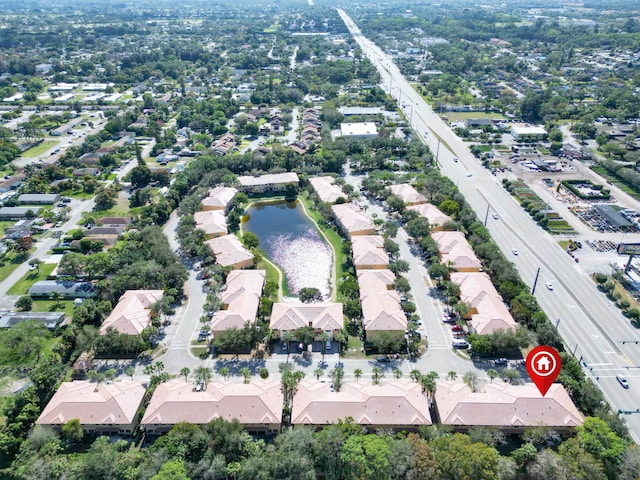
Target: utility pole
(535, 282)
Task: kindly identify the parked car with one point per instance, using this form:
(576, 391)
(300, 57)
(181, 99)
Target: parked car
(456, 328)
(327, 345)
(459, 343)
(501, 361)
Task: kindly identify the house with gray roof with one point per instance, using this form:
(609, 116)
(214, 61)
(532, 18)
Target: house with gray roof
(67, 289)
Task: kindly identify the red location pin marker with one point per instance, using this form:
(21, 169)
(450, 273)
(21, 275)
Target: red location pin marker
(543, 364)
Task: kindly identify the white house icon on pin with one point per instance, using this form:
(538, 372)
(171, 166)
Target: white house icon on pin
(543, 364)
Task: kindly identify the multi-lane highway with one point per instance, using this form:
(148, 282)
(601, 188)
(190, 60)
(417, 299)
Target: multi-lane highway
(590, 325)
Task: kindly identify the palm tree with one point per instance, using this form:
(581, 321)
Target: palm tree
(130, 371)
(57, 296)
(246, 373)
(452, 375)
(185, 371)
(397, 373)
(318, 372)
(203, 375)
(491, 373)
(415, 375)
(376, 375)
(471, 379)
(224, 371)
(358, 373)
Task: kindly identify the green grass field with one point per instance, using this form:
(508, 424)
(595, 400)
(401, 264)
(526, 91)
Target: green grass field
(65, 306)
(22, 286)
(39, 149)
(11, 261)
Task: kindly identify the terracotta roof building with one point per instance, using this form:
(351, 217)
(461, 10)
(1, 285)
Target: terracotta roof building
(433, 214)
(408, 194)
(132, 314)
(240, 300)
(268, 182)
(326, 189)
(512, 408)
(381, 310)
(256, 405)
(487, 311)
(101, 408)
(390, 406)
(456, 251)
(213, 222)
(219, 198)
(368, 252)
(230, 252)
(352, 220)
(322, 317)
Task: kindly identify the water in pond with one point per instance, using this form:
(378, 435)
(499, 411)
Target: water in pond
(289, 239)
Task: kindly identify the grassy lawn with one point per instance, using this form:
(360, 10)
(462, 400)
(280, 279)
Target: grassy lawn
(65, 306)
(354, 347)
(11, 262)
(603, 172)
(40, 149)
(454, 116)
(4, 226)
(22, 286)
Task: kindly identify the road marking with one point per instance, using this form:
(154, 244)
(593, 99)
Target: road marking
(598, 364)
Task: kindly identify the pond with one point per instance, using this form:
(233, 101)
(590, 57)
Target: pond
(290, 239)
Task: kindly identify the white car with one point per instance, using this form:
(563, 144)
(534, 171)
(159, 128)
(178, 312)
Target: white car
(469, 174)
(495, 216)
(514, 251)
(549, 285)
(622, 381)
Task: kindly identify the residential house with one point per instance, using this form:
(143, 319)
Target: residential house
(212, 222)
(256, 405)
(487, 311)
(100, 408)
(50, 319)
(352, 220)
(240, 300)
(66, 290)
(14, 213)
(326, 189)
(133, 313)
(122, 222)
(408, 194)
(276, 182)
(219, 198)
(21, 229)
(397, 406)
(38, 198)
(511, 408)
(230, 252)
(85, 172)
(325, 317)
(368, 252)
(433, 215)
(224, 144)
(456, 252)
(381, 309)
